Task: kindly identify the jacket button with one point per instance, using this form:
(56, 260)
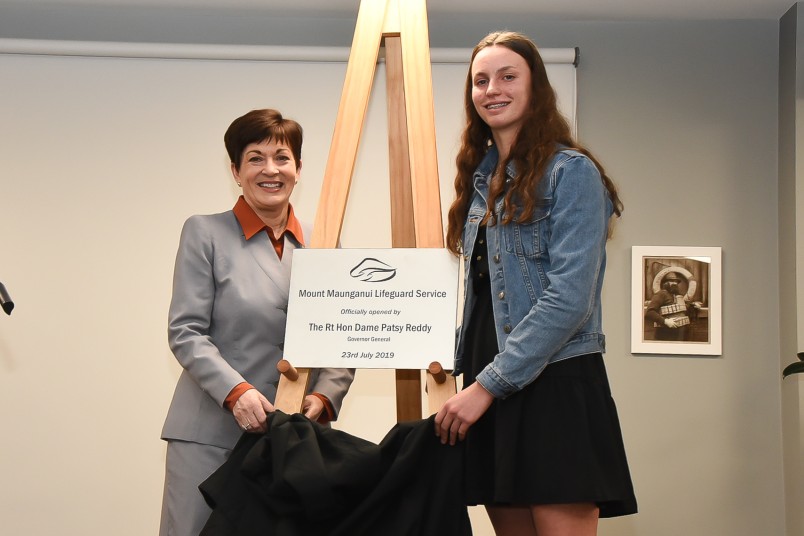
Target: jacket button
(507, 328)
(502, 295)
(497, 258)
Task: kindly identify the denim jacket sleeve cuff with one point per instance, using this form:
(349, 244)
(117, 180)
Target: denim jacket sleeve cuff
(492, 382)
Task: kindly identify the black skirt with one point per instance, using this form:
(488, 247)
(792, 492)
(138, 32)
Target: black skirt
(557, 441)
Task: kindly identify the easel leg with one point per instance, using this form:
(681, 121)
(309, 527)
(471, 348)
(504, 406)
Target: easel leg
(290, 392)
(415, 194)
(403, 233)
(440, 387)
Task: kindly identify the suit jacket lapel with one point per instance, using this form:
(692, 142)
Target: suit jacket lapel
(277, 271)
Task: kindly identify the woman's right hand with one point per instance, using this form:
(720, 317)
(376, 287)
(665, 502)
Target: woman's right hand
(460, 412)
(251, 411)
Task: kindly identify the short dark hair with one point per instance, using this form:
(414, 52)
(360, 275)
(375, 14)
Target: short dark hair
(260, 125)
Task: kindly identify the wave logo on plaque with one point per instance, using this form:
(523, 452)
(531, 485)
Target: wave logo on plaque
(373, 270)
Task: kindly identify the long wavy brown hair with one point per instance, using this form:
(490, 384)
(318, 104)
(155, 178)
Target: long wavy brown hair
(542, 131)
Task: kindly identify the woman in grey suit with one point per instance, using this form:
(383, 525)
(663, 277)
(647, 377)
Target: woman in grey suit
(227, 317)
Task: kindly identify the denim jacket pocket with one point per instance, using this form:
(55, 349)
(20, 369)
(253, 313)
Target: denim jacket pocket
(528, 239)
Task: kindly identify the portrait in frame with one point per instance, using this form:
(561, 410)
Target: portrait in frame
(676, 300)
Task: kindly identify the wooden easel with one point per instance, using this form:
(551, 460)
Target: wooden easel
(401, 25)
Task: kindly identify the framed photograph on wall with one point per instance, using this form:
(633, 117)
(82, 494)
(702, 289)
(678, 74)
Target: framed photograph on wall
(676, 300)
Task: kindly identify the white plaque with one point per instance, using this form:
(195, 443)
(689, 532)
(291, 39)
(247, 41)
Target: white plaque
(372, 308)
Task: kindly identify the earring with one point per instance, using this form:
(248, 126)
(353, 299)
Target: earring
(239, 184)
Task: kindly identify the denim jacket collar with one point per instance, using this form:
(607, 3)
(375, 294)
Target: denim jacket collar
(486, 168)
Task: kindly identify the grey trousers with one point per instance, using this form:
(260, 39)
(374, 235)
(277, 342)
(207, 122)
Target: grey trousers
(184, 511)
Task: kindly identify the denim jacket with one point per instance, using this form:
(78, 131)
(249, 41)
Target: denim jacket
(546, 274)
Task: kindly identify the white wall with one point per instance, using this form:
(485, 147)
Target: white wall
(683, 115)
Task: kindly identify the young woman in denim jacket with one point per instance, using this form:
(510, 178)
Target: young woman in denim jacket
(544, 450)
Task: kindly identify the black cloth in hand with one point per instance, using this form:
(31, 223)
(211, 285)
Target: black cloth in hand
(304, 479)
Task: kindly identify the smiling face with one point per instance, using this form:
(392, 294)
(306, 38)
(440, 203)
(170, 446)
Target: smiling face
(501, 91)
(267, 173)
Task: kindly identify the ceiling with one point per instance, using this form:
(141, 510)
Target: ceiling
(555, 9)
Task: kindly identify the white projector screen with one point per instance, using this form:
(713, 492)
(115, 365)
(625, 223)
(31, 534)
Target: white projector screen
(167, 112)
(101, 161)
(167, 117)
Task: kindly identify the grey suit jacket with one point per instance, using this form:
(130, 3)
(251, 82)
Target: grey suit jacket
(227, 325)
